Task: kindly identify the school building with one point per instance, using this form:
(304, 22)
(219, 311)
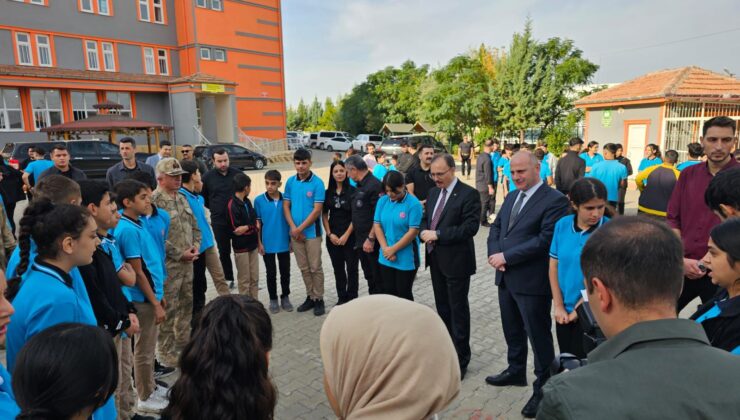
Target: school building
(211, 69)
(667, 107)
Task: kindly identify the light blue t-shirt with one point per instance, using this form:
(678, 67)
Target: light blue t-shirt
(135, 241)
(36, 167)
(684, 165)
(303, 195)
(646, 163)
(545, 171)
(380, 170)
(110, 247)
(158, 226)
(505, 163)
(197, 205)
(591, 161)
(275, 229)
(611, 173)
(566, 247)
(8, 407)
(396, 218)
(495, 159)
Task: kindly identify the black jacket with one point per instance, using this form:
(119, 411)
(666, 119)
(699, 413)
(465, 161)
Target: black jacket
(570, 168)
(483, 172)
(722, 325)
(217, 191)
(241, 213)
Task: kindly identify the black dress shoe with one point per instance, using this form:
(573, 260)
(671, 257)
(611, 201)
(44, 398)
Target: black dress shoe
(530, 408)
(506, 378)
(463, 371)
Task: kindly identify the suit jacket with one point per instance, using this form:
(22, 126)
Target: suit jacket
(526, 243)
(457, 226)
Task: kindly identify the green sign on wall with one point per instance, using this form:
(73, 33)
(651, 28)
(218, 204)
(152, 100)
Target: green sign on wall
(606, 118)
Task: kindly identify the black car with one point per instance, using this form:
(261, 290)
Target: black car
(93, 157)
(239, 156)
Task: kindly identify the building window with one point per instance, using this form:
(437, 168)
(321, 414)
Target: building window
(11, 114)
(158, 11)
(39, 2)
(23, 46)
(47, 108)
(219, 54)
(43, 48)
(164, 67)
(91, 50)
(144, 10)
(205, 53)
(201, 3)
(82, 105)
(123, 99)
(217, 5)
(104, 7)
(109, 57)
(149, 61)
(86, 6)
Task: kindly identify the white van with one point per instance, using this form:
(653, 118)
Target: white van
(363, 139)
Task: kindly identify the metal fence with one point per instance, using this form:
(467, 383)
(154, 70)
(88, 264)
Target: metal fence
(683, 121)
(268, 147)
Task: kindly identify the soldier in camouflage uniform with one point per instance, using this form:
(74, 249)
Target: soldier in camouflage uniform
(181, 248)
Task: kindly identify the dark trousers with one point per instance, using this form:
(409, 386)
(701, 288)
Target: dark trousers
(283, 259)
(701, 287)
(371, 269)
(570, 339)
(487, 205)
(200, 286)
(527, 316)
(222, 234)
(622, 195)
(344, 260)
(9, 212)
(465, 161)
(451, 300)
(397, 282)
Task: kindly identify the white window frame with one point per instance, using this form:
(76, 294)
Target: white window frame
(201, 3)
(159, 7)
(82, 6)
(92, 53)
(108, 55)
(39, 2)
(86, 107)
(126, 110)
(100, 7)
(163, 58)
(4, 110)
(45, 112)
(220, 4)
(24, 46)
(205, 53)
(222, 51)
(150, 64)
(144, 10)
(44, 46)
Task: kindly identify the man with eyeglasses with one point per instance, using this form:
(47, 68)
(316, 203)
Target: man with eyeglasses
(188, 154)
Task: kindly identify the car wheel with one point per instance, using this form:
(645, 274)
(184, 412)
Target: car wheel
(259, 164)
(329, 149)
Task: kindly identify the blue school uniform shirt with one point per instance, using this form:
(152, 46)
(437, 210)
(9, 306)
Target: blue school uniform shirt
(396, 218)
(303, 195)
(610, 172)
(110, 247)
(684, 165)
(380, 170)
(646, 163)
(275, 229)
(495, 159)
(8, 407)
(566, 246)
(158, 226)
(591, 161)
(545, 171)
(505, 163)
(197, 205)
(134, 241)
(36, 167)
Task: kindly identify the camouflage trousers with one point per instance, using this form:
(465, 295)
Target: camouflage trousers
(174, 332)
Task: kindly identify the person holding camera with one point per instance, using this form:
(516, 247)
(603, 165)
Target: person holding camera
(652, 366)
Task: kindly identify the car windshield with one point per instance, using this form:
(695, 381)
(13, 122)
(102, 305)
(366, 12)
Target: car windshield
(392, 142)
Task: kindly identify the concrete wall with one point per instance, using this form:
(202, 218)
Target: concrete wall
(130, 59)
(184, 117)
(615, 132)
(69, 53)
(153, 107)
(209, 125)
(6, 47)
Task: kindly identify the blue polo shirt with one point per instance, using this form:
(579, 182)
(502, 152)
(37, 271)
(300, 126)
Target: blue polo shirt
(505, 163)
(610, 172)
(197, 205)
(495, 158)
(396, 218)
(646, 163)
(36, 167)
(380, 170)
(303, 195)
(135, 241)
(158, 226)
(591, 161)
(110, 247)
(566, 246)
(684, 165)
(8, 407)
(275, 229)
(545, 171)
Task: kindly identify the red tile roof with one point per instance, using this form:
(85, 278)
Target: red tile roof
(681, 83)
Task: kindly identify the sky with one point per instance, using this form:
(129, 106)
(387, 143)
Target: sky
(332, 45)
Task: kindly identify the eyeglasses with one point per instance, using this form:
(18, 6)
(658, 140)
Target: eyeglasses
(440, 174)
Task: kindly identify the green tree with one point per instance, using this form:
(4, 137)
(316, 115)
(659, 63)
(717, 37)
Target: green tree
(326, 122)
(398, 91)
(358, 111)
(315, 111)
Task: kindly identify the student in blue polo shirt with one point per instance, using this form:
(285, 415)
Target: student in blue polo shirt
(652, 157)
(303, 201)
(611, 172)
(382, 168)
(8, 407)
(545, 170)
(143, 253)
(157, 221)
(396, 223)
(274, 240)
(588, 198)
(504, 167)
(35, 168)
(591, 156)
(695, 151)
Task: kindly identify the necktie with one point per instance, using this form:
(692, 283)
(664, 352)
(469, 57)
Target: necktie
(517, 208)
(436, 216)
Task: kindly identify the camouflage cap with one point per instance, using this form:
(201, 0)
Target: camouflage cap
(170, 166)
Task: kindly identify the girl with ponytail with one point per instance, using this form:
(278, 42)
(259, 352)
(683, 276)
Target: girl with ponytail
(224, 368)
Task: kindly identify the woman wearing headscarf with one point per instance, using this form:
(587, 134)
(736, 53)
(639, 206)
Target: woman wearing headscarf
(387, 369)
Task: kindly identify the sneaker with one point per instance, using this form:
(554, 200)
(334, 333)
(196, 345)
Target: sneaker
(285, 303)
(161, 392)
(491, 217)
(162, 371)
(274, 306)
(153, 404)
(318, 308)
(308, 304)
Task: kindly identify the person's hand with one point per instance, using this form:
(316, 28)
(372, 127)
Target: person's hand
(497, 261)
(561, 315)
(368, 246)
(428, 235)
(334, 239)
(241, 230)
(691, 269)
(490, 190)
(295, 233)
(159, 313)
(573, 316)
(134, 327)
(389, 253)
(343, 240)
(261, 249)
(189, 255)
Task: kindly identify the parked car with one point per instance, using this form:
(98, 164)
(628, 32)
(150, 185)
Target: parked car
(93, 157)
(340, 144)
(392, 145)
(313, 140)
(239, 156)
(324, 136)
(362, 140)
(294, 143)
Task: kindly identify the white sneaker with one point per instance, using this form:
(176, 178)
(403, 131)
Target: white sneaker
(154, 404)
(161, 393)
(491, 217)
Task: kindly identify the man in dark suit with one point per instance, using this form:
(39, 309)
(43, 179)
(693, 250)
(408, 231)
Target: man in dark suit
(518, 248)
(452, 219)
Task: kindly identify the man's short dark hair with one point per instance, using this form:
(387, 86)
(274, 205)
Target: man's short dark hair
(370, 145)
(241, 181)
(638, 259)
(496, 141)
(128, 189)
(220, 151)
(724, 189)
(539, 154)
(273, 175)
(404, 143)
(611, 147)
(129, 140)
(93, 191)
(488, 143)
(696, 150)
(143, 177)
(301, 155)
(186, 145)
(59, 146)
(575, 141)
(670, 156)
(424, 146)
(446, 157)
(165, 143)
(190, 167)
(725, 122)
(356, 162)
(39, 150)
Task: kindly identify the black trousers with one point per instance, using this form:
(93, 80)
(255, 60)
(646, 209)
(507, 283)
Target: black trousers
(222, 234)
(371, 269)
(465, 161)
(283, 259)
(451, 300)
(622, 195)
(570, 339)
(200, 286)
(702, 287)
(487, 205)
(9, 212)
(399, 283)
(344, 261)
(522, 317)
